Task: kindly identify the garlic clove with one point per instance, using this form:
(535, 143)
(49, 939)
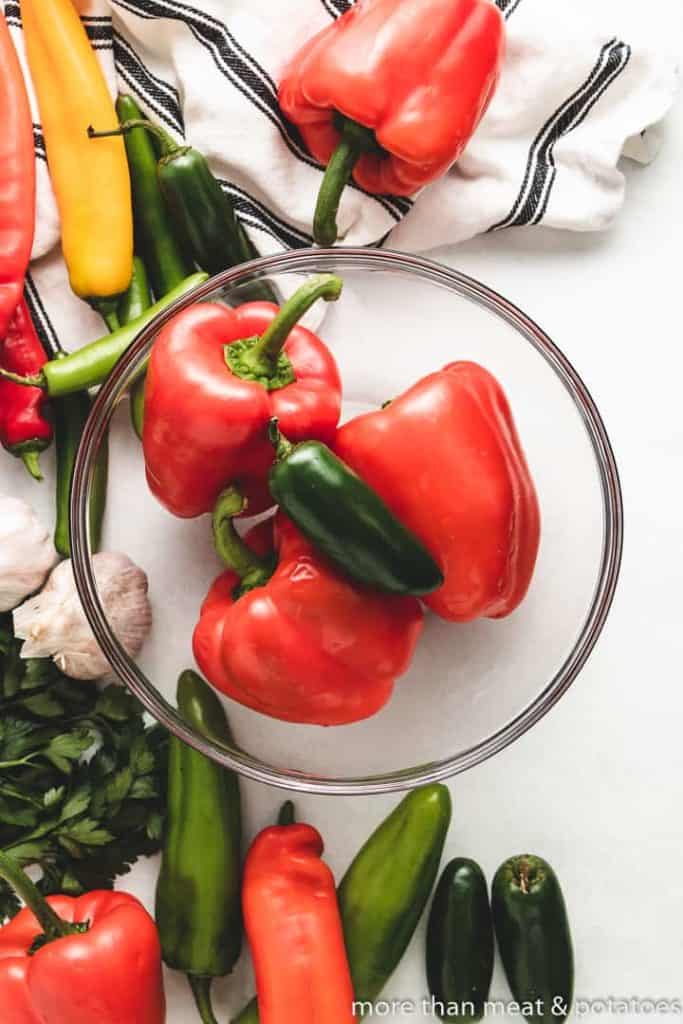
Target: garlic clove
(53, 623)
(26, 552)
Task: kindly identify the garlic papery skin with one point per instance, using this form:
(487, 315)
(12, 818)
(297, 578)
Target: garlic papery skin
(26, 552)
(53, 624)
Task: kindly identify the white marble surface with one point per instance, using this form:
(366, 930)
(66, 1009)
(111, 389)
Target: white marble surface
(597, 786)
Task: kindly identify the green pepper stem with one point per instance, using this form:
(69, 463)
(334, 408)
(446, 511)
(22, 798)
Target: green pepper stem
(107, 308)
(355, 140)
(269, 345)
(287, 814)
(53, 925)
(283, 447)
(31, 459)
(36, 381)
(168, 144)
(252, 570)
(201, 990)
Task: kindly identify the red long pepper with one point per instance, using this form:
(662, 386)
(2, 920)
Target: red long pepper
(17, 179)
(24, 429)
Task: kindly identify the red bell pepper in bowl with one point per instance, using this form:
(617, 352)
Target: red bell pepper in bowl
(391, 93)
(216, 378)
(446, 458)
(285, 633)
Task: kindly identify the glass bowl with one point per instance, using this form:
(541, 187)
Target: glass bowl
(473, 688)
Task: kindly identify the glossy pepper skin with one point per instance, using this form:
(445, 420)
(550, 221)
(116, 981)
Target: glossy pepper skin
(206, 426)
(101, 963)
(91, 180)
(385, 890)
(198, 907)
(292, 922)
(17, 180)
(446, 458)
(306, 645)
(376, 95)
(24, 427)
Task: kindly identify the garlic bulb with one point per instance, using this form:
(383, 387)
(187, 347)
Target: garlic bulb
(26, 552)
(53, 623)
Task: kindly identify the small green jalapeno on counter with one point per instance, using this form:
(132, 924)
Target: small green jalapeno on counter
(532, 929)
(460, 942)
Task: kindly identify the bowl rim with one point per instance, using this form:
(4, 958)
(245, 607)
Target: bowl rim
(301, 260)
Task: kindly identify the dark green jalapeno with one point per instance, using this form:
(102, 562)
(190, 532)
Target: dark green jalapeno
(347, 520)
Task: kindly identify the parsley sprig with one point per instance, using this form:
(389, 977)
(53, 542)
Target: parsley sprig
(82, 777)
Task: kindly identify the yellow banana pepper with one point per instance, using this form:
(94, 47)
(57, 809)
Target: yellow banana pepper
(90, 178)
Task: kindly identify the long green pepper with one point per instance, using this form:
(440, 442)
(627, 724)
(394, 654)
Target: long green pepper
(198, 898)
(385, 891)
(202, 214)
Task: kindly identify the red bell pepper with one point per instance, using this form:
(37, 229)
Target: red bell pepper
(66, 961)
(391, 92)
(24, 428)
(17, 179)
(297, 640)
(216, 377)
(447, 460)
(292, 921)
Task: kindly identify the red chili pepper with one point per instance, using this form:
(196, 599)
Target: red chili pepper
(215, 379)
(17, 179)
(95, 958)
(24, 429)
(391, 92)
(298, 640)
(292, 921)
(446, 458)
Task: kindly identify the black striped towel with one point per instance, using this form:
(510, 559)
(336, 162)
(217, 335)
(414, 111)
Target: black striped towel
(570, 98)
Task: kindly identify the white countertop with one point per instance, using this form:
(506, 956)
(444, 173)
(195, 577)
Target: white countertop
(597, 786)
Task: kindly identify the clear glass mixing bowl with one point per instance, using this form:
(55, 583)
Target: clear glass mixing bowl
(473, 688)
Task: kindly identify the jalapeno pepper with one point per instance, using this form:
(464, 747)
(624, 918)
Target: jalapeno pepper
(202, 213)
(90, 365)
(460, 942)
(385, 890)
(198, 893)
(347, 520)
(534, 940)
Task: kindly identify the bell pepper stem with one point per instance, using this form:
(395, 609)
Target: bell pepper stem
(168, 144)
(252, 570)
(261, 358)
(287, 814)
(201, 990)
(52, 924)
(31, 459)
(355, 140)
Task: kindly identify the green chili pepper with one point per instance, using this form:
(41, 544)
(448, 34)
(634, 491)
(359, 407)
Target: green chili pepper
(91, 364)
(385, 890)
(134, 303)
(154, 237)
(202, 213)
(530, 919)
(138, 298)
(70, 414)
(347, 520)
(154, 234)
(198, 910)
(460, 942)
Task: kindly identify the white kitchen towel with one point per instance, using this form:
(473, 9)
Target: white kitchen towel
(571, 97)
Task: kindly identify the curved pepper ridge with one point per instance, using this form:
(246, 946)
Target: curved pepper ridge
(309, 646)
